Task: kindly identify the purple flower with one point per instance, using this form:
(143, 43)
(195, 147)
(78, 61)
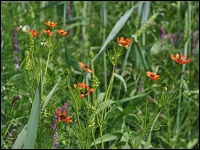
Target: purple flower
(69, 10)
(194, 41)
(15, 48)
(162, 29)
(173, 38)
(54, 120)
(180, 36)
(15, 40)
(53, 125)
(55, 144)
(64, 107)
(55, 136)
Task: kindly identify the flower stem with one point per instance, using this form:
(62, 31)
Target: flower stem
(110, 85)
(76, 107)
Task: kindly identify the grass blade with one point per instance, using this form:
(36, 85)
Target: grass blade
(108, 137)
(20, 139)
(33, 119)
(122, 79)
(51, 93)
(149, 137)
(120, 23)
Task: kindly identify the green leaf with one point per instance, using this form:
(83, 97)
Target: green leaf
(108, 137)
(51, 93)
(140, 56)
(120, 23)
(106, 104)
(33, 119)
(192, 143)
(122, 79)
(20, 139)
(149, 137)
(100, 97)
(156, 48)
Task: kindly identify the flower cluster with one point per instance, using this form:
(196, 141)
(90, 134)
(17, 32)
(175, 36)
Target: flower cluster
(85, 90)
(52, 25)
(15, 45)
(58, 116)
(122, 42)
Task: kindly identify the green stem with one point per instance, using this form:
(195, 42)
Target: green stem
(93, 77)
(94, 139)
(146, 112)
(177, 131)
(80, 76)
(46, 70)
(110, 85)
(100, 130)
(76, 107)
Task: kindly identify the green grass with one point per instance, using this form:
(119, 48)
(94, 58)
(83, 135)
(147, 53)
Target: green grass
(126, 109)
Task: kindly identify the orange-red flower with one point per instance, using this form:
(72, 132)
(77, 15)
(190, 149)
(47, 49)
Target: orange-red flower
(62, 117)
(179, 59)
(33, 32)
(62, 32)
(122, 42)
(48, 32)
(81, 85)
(51, 24)
(152, 75)
(84, 67)
(86, 93)
(84, 89)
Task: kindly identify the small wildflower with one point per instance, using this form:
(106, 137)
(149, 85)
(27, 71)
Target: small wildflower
(51, 24)
(48, 32)
(15, 46)
(122, 42)
(82, 85)
(162, 29)
(24, 28)
(34, 33)
(86, 93)
(179, 59)
(152, 75)
(84, 67)
(62, 116)
(69, 10)
(172, 36)
(165, 88)
(62, 32)
(194, 36)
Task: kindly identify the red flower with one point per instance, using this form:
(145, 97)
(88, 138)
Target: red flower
(179, 59)
(84, 67)
(48, 32)
(86, 93)
(34, 33)
(83, 87)
(51, 24)
(125, 43)
(62, 117)
(62, 32)
(152, 75)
